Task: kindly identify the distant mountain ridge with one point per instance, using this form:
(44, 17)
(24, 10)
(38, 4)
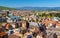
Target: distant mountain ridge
(30, 8)
(38, 8)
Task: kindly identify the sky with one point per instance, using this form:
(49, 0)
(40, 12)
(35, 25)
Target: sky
(30, 3)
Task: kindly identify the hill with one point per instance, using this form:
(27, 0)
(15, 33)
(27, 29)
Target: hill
(6, 8)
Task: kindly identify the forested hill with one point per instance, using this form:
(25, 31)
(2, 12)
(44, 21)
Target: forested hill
(6, 8)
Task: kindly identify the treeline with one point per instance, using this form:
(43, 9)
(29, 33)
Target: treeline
(51, 15)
